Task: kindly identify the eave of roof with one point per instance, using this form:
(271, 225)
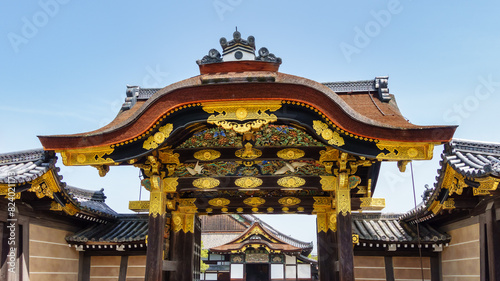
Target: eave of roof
(202, 88)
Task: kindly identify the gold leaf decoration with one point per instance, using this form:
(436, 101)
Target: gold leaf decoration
(206, 183)
(138, 206)
(159, 137)
(372, 204)
(232, 113)
(207, 155)
(248, 153)
(404, 151)
(170, 184)
(291, 153)
(289, 201)
(248, 182)
(219, 202)
(87, 156)
(291, 182)
(322, 129)
(254, 201)
(328, 183)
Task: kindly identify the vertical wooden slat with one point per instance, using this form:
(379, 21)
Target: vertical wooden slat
(389, 268)
(84, 270)
(123, 268)
(435, 268)
(483, 254)
(154, 255)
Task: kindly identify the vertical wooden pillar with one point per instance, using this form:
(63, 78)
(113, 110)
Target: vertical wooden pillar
(326, 223)
(493, 244)
(182, 240)
(344, 229)
(154, 255)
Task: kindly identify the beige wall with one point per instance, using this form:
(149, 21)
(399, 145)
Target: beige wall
(104, 268)
(369, 268)
(136, 268)
(410, 268)
(461, 259)
(50, 257)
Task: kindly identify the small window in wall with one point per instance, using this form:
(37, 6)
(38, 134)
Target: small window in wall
(291, 272)
(236, 271)
(215, 257)
(304, 270)
(210, 276)
(291, 259)
(277, 271)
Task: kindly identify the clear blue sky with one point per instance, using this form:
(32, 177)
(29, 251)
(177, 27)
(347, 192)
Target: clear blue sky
(64, 66)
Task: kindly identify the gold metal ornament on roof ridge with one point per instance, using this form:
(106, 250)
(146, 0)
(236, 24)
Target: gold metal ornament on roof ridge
(248, 182)
(332, 137)
(207, 155)
(291, 153)
(206, 183)
(291, 182)
(219, 202)
(159, 137)
(231, 114)
(289, 201)
(254, 201)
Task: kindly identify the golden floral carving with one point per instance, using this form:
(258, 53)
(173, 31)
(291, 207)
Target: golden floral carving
(254, 201)
(45, 185)
(322, 129)
(248, 182)
(355, 239)
(328, 157)
(159, 137)
(206, 183)
(207, 155)
(291, 153)
(219, 202)
(453, 181)
(343, 195)
(289, 201)
(291, 182)
(232, 113)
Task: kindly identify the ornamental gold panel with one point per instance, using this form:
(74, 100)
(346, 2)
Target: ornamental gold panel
(219, 202)
(87, 156)
(322, 129)
(291, 182)
(291, 153)
(289, 201)
(248, 153)
(405, 151)
(170, 185)
(207, 155)
(206, 183)
(328, 183)
(372, 204)
(355, 239)
(45, 185)
(453, 181)
(248, 182)
(230, 114)
(254, 201)
(159, 137)
(138, 206)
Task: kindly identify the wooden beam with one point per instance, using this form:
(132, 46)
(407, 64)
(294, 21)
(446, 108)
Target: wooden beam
(327, 255)
(435, 268)
(123, 269)
(389, 268)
